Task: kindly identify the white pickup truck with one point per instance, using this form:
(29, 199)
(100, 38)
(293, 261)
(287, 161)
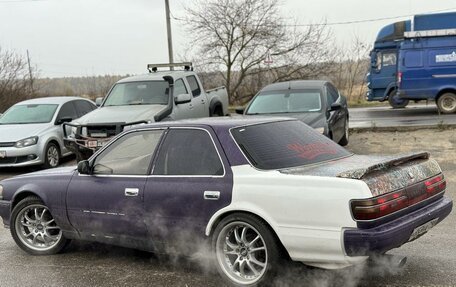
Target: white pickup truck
(154, 97)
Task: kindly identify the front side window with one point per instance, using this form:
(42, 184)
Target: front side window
(378, 61)
(179, 88)
(332, 95)
(139, 93)
(129, 155)
(28, 114)
(294, 101)
(188, 152)
(285, 144)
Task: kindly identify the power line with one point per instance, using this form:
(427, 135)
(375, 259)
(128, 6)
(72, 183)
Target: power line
(19, 1)
(353, 21)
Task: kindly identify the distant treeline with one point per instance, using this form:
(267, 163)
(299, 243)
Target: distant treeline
(89, 86)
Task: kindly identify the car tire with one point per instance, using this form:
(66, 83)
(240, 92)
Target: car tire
(51, 156)
(447, 103)
(246, 251)
(396, 102)
(34, 230)
(344, 140)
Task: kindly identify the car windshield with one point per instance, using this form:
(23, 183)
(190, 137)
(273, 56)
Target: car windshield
(139, 93)
(287, 101)
(28, 114)
(285, 144)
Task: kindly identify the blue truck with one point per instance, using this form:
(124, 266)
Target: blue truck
(415, 60)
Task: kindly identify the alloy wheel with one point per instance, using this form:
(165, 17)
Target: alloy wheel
(242, 253)
(36, 228)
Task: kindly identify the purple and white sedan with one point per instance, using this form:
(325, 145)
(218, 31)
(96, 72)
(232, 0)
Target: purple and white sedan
(257, 190)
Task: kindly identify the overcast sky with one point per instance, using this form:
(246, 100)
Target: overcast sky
(92, 37)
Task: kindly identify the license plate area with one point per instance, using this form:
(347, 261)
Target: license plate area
(2, 154)
(422, 229)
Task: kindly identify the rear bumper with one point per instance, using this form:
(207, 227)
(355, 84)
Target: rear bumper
(380, 239)
(5, 211)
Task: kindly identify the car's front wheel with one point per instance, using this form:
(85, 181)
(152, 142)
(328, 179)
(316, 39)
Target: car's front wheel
(247, 252)
(51, 156)
(395, 101)
(34, 229)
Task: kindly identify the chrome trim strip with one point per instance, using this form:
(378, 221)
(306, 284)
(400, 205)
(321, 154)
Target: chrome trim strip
(444, 76)
(152, 175)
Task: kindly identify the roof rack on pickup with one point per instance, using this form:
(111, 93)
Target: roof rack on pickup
(152, 68)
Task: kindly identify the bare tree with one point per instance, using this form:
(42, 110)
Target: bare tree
(14, 79)
(236, 36)
(351, 66)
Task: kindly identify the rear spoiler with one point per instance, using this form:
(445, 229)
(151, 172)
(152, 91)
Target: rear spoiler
(394, 161)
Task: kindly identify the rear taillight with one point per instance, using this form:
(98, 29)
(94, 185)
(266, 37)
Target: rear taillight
(435, 185)
(399, 78)
(376, 207)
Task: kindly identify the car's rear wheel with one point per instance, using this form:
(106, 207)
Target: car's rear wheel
(447, 103)
(34, 228)
(395, 101)
(51, 156)
(247, 252)
(344, 140)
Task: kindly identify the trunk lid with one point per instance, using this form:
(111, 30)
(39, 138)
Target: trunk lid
(383, 174)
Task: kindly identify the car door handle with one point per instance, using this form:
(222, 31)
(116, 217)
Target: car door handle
(190, 106)
(203, 101)
(211, 195)
(131, 191)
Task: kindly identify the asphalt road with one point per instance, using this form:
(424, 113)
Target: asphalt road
(413, 115)
(431, 258)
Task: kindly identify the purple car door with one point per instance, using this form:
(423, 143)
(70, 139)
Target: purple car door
(191, 180)
(109, 203)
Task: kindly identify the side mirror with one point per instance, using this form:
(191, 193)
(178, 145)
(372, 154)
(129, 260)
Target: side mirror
(239, 110)
(335, 107)
(99, 101)
(182, 99)
(84, 167)
(63, 120)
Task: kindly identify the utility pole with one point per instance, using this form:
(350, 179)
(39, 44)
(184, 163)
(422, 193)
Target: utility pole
(170, 38)
(30, 71)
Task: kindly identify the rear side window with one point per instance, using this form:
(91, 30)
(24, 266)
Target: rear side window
(84, 107)
(188, 152)
(413, 59)
(67, 111)
(194, 86)
(285, 144)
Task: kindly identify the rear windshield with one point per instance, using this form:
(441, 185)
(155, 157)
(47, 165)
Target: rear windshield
(289, 101)
(285, 144)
